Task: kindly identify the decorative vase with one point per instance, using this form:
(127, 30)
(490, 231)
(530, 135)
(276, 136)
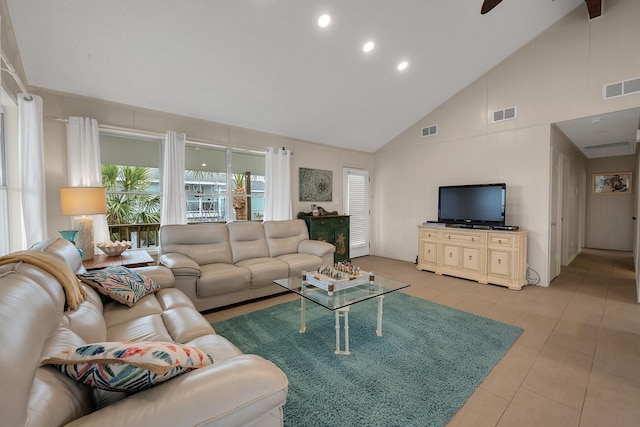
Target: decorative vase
(69, 235)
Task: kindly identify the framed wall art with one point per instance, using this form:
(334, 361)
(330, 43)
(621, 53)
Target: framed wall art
(315, 185)
(611, 183)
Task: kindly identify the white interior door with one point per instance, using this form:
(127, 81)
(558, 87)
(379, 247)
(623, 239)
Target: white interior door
(356, 205)
(555, 229)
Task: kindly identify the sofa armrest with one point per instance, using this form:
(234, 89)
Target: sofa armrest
(236, 391)
(180, 264)
(316, 247)
(159, 274)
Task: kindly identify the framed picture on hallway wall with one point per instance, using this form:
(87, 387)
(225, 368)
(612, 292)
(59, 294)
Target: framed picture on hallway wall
(612, 183)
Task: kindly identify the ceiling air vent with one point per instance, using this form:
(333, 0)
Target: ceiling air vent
(627, 87)
(430, 130)
(506, 114)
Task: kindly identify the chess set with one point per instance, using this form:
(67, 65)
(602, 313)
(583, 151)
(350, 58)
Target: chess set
(340, 276)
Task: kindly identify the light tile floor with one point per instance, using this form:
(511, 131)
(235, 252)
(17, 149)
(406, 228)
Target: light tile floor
(577, 362)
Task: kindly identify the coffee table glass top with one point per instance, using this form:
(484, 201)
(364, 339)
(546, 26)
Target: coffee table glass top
(342, 298)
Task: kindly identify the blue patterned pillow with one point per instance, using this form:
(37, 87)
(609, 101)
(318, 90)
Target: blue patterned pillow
(128, 366)
(119, 283)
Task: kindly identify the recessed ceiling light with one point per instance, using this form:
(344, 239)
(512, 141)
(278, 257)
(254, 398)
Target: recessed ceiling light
(368, 46)
(403, 65)
(204, 164)
(324, 21)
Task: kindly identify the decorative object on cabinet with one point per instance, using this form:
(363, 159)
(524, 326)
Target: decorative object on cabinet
(84, 201)
(317, 211)
(332, 229)
(486, 256)
(612, 183)
(315, 185)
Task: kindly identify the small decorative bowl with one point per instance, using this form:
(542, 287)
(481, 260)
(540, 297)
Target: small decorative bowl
(114, 248)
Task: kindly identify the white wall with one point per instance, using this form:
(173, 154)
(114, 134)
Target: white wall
(609, 216)
(305, 154)
(558, 76)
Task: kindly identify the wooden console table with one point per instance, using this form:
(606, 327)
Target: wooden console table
(487, 256)
(135, 258)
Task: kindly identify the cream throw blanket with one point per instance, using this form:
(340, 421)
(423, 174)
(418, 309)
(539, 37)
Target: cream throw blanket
(55, 266)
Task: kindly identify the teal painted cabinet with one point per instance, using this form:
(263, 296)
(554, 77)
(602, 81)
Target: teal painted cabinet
(333, 229)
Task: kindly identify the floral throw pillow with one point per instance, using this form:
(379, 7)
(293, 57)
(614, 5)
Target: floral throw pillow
(128, 366)
(120, 283)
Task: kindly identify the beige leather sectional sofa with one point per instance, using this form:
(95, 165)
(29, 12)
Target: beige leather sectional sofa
(218, 264)
(236, 389)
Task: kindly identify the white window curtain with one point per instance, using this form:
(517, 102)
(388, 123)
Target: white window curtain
(174, 205)
(5, 247)
(277, 192)
(32, 179)
(84, 166)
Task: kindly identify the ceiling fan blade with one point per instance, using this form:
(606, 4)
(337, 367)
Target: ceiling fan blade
(488, 5)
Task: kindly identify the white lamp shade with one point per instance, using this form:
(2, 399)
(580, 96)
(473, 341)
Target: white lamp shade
(83, 200)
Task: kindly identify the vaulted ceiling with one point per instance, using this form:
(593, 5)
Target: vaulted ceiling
(267, 65)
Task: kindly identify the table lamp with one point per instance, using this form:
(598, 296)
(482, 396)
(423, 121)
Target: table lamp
(84, 201)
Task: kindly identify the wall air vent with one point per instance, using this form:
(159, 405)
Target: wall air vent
(429, 130)
(627, 87)
(506, 114)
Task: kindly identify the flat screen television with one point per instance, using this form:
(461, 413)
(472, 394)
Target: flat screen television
(480, 204)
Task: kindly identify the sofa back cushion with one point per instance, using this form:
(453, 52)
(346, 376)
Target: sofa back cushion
(34, 323)
(247, 240)
(63, 249)
(204, 243)
(283, 237)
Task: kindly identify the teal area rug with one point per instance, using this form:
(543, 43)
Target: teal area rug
(428, 362)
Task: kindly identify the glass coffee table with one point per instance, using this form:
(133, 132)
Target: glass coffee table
(340, 301)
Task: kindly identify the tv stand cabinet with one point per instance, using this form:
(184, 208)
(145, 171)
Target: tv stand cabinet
(486, 256)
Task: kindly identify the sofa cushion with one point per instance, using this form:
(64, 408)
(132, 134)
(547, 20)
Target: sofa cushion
(204, 243)
(247, 240)
(63, 249)
(218, 279)
(120, 283)
(128, 366)
(283, 237)
(265, 270)
(301, 262)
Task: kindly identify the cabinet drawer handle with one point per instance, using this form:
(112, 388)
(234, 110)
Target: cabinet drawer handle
(499, 241)
(449, 237)
(450, 254)
(499, 261)
(429, 251)
(469, 257)
(473, 239)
